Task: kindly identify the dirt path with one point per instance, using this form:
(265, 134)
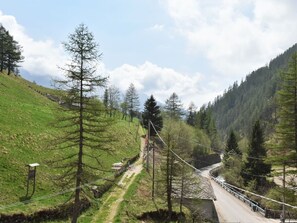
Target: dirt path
(112, 202)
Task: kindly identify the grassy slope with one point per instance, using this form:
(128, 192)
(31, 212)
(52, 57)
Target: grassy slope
(138, 200)
(25, 130)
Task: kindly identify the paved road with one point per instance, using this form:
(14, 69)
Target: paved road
(232, 210)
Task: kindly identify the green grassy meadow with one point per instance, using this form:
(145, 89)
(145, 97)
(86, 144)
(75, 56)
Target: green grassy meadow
(25, 134)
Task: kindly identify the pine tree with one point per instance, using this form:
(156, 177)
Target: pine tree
(255, 167)
(173, 106)
(3, 46)
(13, 56)
(152, 113)
(85, 129)
(10, 52)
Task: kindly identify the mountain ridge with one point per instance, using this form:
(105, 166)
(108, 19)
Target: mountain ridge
(254, 98)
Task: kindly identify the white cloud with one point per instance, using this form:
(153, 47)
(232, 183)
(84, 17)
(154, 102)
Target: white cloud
(235, 36)
(162, 82)
(157, 27)
(42, 57)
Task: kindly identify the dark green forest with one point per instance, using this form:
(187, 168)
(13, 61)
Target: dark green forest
(254, 98)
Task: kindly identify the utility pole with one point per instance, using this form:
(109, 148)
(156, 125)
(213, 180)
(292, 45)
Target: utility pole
(148, 145)
(153, 186)
(283, 219)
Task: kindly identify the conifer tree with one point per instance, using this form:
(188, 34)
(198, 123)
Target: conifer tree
(105, 98)
(3, 46)
(286, 129)
(255, 167)
(152, 113)
(85, 128)
(231, 147)
(191, 114)
(10, 52)
(173, 106)
(132, 100)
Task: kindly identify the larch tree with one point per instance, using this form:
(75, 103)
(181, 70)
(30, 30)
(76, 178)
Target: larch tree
(132, 100)
(85, 128)
(124, 108)
(152, 113)
(105, 99)
(113, 99)
(173, 106)
(254, 167)
(176, 178)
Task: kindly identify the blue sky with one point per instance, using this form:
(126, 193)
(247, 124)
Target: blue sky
(196, 48)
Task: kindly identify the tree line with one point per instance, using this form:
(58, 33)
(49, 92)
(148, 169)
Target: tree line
(10, 52)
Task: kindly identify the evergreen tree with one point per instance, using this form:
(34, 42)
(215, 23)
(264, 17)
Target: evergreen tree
(255, 167)
(191, 114)
(3, 46)
(152, 113)
(231, 147)
(10, 52)
(132, 100)
(105, 98)
(173, 106)
(286, 129)
(85, 129)
(13, 55)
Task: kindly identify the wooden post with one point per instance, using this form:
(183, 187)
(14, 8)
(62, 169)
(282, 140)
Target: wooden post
(28, 178)
(153, 186)
(148, 145)
(31, 176)
(34, 180)
(283, 219)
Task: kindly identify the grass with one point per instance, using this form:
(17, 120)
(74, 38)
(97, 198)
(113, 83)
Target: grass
(138, 200)
(128, 196)
(25, 131)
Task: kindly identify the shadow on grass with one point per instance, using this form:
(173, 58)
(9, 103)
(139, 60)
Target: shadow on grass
(26, 199)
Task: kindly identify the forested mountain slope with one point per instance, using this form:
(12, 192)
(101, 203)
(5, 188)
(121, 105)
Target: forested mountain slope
(255, 98)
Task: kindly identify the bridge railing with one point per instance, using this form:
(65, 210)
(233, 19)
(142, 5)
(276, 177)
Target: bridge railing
(254, 205)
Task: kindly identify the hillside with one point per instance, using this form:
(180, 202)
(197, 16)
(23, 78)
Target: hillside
(26, 131)
(254, 98)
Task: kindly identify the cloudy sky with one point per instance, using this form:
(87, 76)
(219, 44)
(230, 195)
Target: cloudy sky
(196, 48)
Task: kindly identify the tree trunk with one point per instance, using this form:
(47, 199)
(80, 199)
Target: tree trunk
(169, 184)
(76, 209)
(182, 190)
